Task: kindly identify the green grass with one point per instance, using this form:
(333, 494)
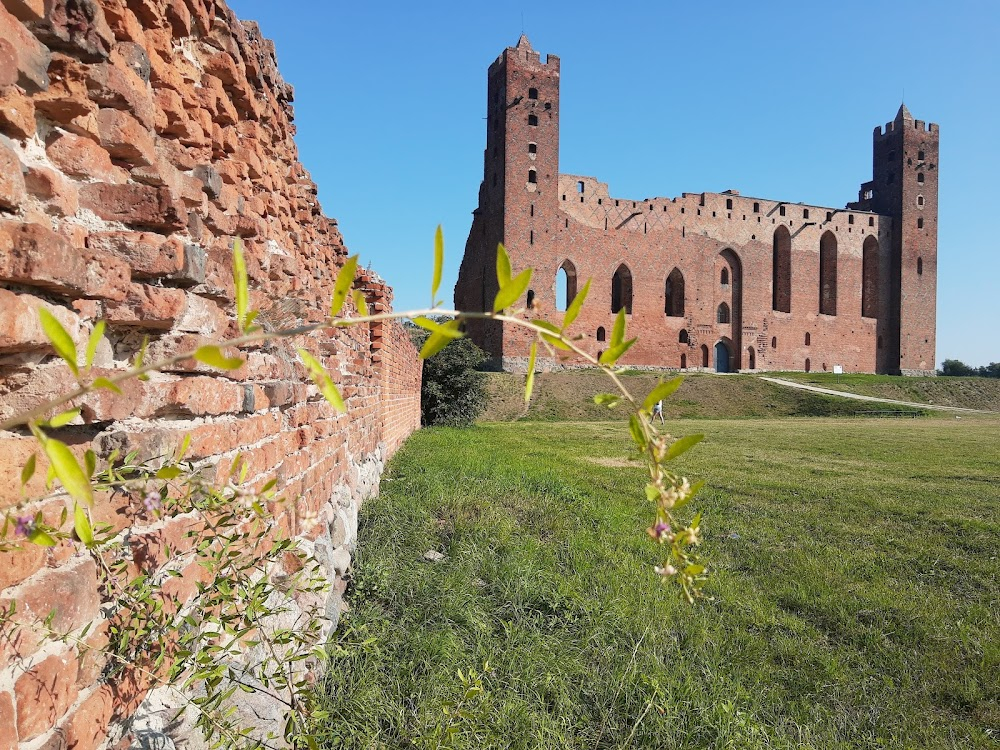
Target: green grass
(855, 583)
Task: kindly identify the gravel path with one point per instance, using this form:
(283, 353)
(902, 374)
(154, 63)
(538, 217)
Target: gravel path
(858, 397)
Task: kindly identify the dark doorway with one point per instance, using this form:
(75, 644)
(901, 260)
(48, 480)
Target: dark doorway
(721, 357)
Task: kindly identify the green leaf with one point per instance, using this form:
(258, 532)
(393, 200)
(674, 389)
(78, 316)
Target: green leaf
(512, 291)
(95, 338)
(662, 391)
(140, 357)
(90, 462)
(60, 338)
(81, 523)
(213, 357)
(555, 337)
(681, 445)
(29, 469)
(612, 355)
(440, 338)
(105, 383)
(434, 327)
(529, 381)
(438, 264)
(240, 282)
(618, 332)
(573, 309)
(652, 492)
(168, 472)
(638, 435)
(345, 278)
(68, 471)
(322, 379)
(41, 538)
(64, 418)
(609, 400)
(503, 266)
(359, 302)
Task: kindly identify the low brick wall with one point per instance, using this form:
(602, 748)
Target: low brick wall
(138, 139)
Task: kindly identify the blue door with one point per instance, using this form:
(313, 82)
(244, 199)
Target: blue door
(721, 357)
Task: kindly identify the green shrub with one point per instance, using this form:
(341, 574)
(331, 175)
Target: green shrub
(453, 393)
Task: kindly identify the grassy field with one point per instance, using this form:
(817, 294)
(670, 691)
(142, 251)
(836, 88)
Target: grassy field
(855, 592)
(569, 396)
(970, 393)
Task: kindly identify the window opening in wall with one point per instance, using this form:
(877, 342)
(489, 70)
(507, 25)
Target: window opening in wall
(724, 277)
(871, 221)
(531, 298)
(684, 361)
(532, 209)
(920, 178)
(920, 155)
(805, 213)
(774, 342)
(600, 201)
(756, 208)
(920, 266)
(920, 200)
(828, 274)
(682, 337)
(621, 290)
(579, 186)
(532, 93)
(781, 211)
(808, 339)
(531, 237)
(532, 176)
(565, 285)
(729, 204)
(704, 355)
(532, 148)
(781, 271)
(532, 120)
(601, 334)
(673, 304)
(807, 365)
(722, 314)
(869, 278)
(920, 223)
(600, 353)
(751, 358)
(850, 218)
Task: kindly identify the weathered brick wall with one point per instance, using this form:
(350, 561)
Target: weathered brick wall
(138, 138)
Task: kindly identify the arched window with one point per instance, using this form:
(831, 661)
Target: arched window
(704, 355)
(682, 337)
(684, 361)
(807, 365)
(673, 305)
(869, 278)
(532, 176)
(621, 290)
(920, 178)
(920, 266)
(532, 93)
(722, 315)
(724, 277)
(565, 285)
(808, 339)
(828, 274)
(532, 120)
(751, 358)
(601, 334)
(531, 298)
(781, 271)
(774, 342)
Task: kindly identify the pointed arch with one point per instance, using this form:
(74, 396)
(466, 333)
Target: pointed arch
(684, 361)
(565, 285)
(682, 337)
(601, 334)
(673, 304)
(704, 355)
(621, 290)
(751, 358)
(781, 271)
(828, 274)
(722, 314)
(869, 278)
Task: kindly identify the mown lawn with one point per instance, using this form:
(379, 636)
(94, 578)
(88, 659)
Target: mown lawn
(856, 592)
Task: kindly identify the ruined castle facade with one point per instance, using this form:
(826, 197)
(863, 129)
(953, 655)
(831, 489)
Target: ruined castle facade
(716, 281)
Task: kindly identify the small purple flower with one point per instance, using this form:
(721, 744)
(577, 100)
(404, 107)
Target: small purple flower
(151, 501)
(24, 526)
(661, 529)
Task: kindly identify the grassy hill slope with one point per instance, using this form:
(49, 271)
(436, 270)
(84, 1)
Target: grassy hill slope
(971, 393)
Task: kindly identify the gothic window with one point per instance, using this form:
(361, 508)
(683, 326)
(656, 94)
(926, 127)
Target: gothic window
(532, 120)
(532, 93)
(805, 213)
(704, 355)
(869, 278)
(684, 361)
(532, 176)
(621, 290)
(781, 271)
(565, 285)
(828, 274)
(722, 314)
(807, 365)
(724, 277)
(729, 204)
(601, 334)
(674, 294)
(579, 186)
(781, 211)
(808, 339)
(756, 208)
(774, 342)
(682, 337)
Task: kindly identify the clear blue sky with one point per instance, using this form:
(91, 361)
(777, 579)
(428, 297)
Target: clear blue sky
(775, 99)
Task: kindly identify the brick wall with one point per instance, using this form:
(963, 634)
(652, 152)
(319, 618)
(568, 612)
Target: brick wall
(138, 138)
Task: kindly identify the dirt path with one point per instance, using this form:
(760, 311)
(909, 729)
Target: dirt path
(858, 397)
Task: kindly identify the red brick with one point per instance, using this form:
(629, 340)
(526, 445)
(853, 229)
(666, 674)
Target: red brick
(43, 694)
(17, 113)
(57, 192)
(70, 592)
(20, 329)
(148, 255)
(23, 59)
(12, 190)
(125, 138)
(114, 84)
(77, 27)
(81, 157)
(87, 726)
(8, 724)
(67, 98)
(204, 396)
(26, 10)
(33, 255)
(135, 205)
(148, 306)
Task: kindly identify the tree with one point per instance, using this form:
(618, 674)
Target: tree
(453, 393)
(957, 368)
